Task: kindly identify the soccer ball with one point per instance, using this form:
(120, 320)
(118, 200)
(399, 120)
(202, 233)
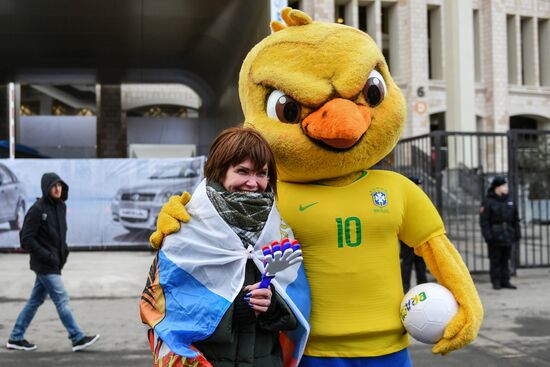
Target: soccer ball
(426, 310)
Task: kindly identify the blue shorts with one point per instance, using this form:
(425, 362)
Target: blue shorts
(397, 359)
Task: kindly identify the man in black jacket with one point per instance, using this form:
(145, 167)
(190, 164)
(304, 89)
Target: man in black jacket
(499, 222)
(43, 236)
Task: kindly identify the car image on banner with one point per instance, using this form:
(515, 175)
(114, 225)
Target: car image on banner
(129, 190)
(137, 207)
(12, 199)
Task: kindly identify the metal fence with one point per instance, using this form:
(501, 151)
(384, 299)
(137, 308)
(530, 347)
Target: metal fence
(456, 169)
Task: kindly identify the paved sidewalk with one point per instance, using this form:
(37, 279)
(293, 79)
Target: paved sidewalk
(105, 288)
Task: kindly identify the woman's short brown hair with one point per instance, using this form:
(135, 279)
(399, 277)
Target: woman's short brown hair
(235, 145)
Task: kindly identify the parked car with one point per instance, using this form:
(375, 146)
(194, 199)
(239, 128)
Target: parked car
(137, 207)
(21, 151)
(12, 198)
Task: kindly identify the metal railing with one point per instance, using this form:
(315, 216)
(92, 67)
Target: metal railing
(457, 167)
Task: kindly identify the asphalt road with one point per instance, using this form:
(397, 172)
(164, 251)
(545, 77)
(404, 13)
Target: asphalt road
(105, 288)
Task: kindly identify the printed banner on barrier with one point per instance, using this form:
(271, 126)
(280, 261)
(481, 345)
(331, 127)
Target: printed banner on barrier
(112, 202)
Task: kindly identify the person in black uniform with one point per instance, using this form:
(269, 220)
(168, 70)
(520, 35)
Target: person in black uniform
(499, 222)
(409, 258)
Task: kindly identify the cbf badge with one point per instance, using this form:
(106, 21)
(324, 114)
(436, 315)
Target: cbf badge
(379, 197)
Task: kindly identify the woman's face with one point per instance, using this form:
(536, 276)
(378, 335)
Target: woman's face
(243, 177)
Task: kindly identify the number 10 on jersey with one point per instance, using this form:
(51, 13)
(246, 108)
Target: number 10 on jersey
(349, 231)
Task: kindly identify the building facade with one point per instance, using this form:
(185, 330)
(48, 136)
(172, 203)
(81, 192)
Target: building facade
(468, 65)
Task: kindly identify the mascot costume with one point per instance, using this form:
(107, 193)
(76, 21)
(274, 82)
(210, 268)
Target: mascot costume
(322, 96)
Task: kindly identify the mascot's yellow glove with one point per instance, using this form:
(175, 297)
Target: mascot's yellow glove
(172, 213)
(447, 267)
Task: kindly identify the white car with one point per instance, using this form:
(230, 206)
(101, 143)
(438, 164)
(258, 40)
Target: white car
(137, 207)
(12, 199)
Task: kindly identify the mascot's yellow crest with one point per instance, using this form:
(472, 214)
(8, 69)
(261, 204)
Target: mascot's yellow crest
(325, 77)
(292, 17)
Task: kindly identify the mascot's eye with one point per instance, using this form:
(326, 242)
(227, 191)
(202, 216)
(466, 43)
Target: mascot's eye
(375, 89)
(283, 108)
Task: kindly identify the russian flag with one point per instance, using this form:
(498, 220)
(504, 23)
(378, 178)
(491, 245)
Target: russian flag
(200, 270)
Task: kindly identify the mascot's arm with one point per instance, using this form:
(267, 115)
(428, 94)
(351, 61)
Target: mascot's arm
(172, 213)
(447, 267)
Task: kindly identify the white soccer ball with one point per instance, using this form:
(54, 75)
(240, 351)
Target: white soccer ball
(426, 310)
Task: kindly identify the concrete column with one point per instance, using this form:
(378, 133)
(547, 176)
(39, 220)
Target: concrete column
(495, 55)
(512, 50)
(308, 7)
(323, 10)
(436, 43)
(374, 22)
(518, 53)
(477, 49)
(17, 117)
(352, 13)
(544, 52)
(459, 78)
(4, 121)
(393, 19)
(111, 127)
(529, 55)
(496, 63)
(414, 65)
(459, 66)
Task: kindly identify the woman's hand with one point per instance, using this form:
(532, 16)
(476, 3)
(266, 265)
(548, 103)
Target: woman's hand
(259, 299)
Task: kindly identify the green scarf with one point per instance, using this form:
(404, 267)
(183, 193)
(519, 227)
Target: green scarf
(245, 212)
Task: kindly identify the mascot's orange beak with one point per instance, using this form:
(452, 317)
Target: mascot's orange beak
(339, 123)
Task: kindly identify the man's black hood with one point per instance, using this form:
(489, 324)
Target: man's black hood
(48, 180)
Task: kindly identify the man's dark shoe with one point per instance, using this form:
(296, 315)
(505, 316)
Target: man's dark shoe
(20, 345)
(509, 286)
(85, 342)
(496, 286)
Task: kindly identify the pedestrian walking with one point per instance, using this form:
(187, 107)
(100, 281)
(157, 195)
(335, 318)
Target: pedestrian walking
(410, 259)
(44, 236)
(499, 222)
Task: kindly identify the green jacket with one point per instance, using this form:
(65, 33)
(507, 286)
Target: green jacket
(241, 339)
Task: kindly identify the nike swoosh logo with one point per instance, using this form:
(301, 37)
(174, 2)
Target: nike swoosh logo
(304, 207)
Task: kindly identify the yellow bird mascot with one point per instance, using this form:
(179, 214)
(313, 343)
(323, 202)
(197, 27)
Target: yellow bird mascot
(322, 96)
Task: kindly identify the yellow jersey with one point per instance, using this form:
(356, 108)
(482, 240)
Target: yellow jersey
(349, 237)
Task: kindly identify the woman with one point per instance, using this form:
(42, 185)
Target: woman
(195, 292)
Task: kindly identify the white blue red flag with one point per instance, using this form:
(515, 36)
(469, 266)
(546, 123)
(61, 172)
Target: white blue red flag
(198, 273)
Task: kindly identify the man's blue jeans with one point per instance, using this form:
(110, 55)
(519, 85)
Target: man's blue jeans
(44, 285)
